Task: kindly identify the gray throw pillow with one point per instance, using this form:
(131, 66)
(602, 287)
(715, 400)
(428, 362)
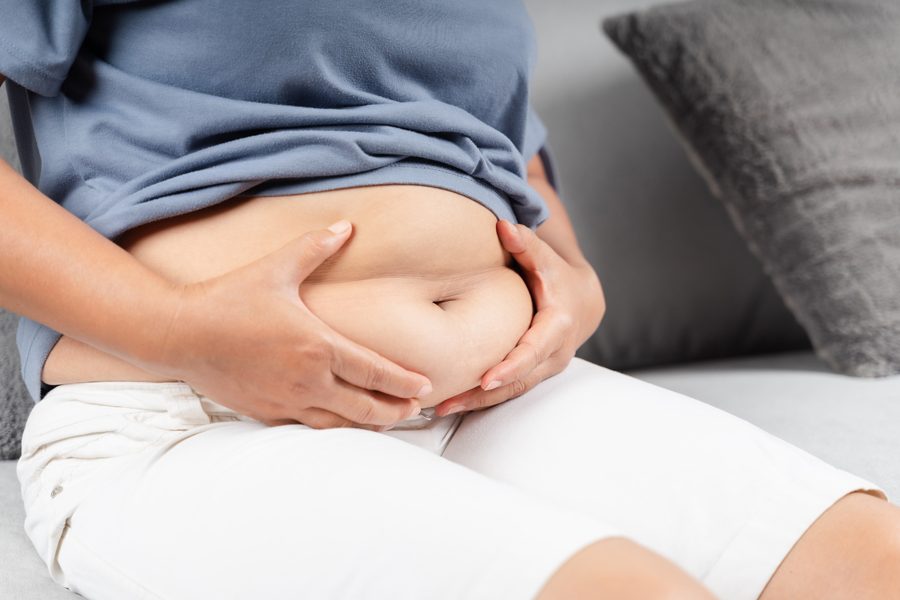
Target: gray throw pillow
(15, 403)
(791, 109)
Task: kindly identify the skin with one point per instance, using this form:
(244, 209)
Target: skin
(568, 300)
(851, 551)
(174, 331)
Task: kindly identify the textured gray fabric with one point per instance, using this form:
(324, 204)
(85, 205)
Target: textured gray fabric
(680, 282)
(15, 404)
(792, 108)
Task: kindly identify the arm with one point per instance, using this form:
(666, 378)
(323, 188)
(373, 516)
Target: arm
(58, 271)
(557, 233)
(557, 230)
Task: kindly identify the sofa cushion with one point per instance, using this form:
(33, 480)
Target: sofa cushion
(22, 575)
(680, 283)
(846, 421)
(792, 109)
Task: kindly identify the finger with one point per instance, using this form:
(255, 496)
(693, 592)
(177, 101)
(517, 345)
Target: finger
(369, 408)
(367, 369)
(546, 335)
(319, 418)
(298, 258)
(527, 248)
(477, 398)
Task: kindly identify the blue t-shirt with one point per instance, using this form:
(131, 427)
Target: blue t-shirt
(127, 112)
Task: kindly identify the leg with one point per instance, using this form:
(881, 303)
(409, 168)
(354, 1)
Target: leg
(719, 497)
(193, 507)
(619, 569)
(851, 551)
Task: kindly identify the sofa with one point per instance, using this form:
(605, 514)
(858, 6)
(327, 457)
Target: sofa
(689, 307)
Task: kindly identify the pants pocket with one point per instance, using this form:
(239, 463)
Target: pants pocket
(79, 435)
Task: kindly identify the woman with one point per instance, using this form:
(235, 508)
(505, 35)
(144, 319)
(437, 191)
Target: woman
(229, 393)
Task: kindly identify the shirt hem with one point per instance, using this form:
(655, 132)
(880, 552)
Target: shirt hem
(43, 339)
(398, 173)
(23, 72)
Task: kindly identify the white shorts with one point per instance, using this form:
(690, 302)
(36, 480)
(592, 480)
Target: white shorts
(149, 490)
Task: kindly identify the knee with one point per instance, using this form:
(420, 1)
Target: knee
(619, 569)
(863, 524)
(879, 527)
(851, 551)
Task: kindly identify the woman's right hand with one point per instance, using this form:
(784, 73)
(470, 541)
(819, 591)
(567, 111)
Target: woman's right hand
(246, 340)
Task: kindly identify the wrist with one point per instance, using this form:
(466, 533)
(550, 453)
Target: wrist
(149, 342)
(593, 306)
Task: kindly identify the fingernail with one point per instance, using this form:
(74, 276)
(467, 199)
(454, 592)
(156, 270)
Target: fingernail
(519, 234)
(493, 385)
(455, 409)
(340, 227)
(384, 428)
(415, 412)
(424, 390)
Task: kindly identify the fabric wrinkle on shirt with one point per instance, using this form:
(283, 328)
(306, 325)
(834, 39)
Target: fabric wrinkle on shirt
(132, 111)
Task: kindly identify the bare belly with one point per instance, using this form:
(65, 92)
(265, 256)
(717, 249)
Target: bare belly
(422, 281)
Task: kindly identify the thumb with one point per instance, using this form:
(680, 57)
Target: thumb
(520, 241)
(300, 257)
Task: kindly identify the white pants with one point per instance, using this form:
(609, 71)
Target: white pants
(148, 490)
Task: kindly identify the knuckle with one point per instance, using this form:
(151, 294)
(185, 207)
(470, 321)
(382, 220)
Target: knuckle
(315, 419)
(314, 247)
(566, 321)
(318, 353)
(337, 423)
(534, 355)
(486, 401)
(366, 412)
(298, 389)
(315, 241)
(518, 387)
(376, 376)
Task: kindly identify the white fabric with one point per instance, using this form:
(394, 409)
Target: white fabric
(150, 491)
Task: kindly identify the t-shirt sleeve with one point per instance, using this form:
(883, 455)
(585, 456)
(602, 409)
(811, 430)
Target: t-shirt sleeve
(39, 40)
(535, 134)
(535, 142)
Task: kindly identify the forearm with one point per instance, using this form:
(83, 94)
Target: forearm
(557, 230)
(558, 233)
(56, 270)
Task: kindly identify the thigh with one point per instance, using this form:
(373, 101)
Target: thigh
(240, 510)
(715, 494)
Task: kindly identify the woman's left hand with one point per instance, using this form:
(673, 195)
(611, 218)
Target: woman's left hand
(569, 306)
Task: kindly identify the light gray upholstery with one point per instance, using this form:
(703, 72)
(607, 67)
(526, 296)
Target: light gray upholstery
(848, 422)
(22, 574)
(679, 281)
